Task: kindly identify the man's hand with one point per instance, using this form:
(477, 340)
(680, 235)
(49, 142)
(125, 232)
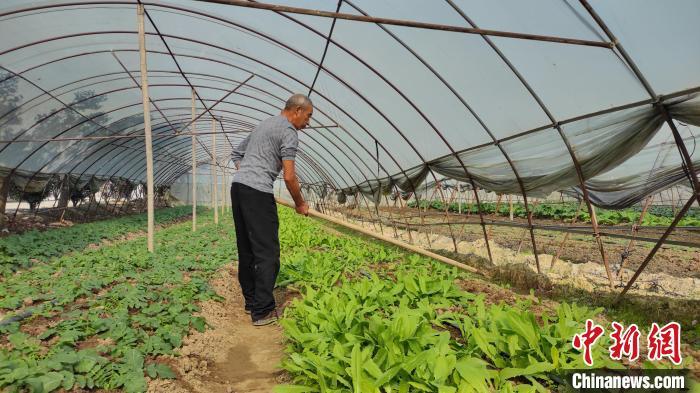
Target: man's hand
(303, 209)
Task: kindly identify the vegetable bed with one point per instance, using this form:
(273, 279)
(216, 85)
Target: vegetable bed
(20, 251)
(369, 317)
(655, 216)
(376, 319)
(100, 316)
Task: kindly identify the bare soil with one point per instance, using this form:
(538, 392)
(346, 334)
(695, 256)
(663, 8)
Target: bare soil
(47, 218)
(230, 356)
(679, 261)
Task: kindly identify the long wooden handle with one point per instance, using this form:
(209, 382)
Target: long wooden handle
(387, 239)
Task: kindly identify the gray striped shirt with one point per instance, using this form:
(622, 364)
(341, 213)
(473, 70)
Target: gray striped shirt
(262, 151)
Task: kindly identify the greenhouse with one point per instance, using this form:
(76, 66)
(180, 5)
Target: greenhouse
(503, 196)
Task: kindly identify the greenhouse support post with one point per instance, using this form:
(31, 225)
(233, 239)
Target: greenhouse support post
(402, 206)
(635, 230)
(214, 181)
(87, 210)
(391, 219)
(399, 199)
(658, 245)
(510, 207)
(447, 217)
(223, 192)
(4, 192)
(495, 214)
(147, 125)
(566, 236)
(193, 128)
(599, 240)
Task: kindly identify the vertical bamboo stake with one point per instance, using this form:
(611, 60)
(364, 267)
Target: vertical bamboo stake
(566, 237)
(147, 124)
(224, 195)
(408, 225)
(594, 223)
(214, 181)
(221, 200)
(391, 219)
(495, 213)
(447, 218)
(635, 229)
(510, 206)
(194, 168)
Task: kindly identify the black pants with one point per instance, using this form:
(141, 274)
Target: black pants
(255, 218)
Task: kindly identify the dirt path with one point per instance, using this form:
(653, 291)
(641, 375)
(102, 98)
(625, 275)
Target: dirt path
(232, 356)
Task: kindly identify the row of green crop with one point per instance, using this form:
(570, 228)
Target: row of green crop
(659, 216)
(18, 251)
(112, 308)
(372, 319)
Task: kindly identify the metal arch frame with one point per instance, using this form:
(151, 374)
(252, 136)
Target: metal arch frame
(339, 79)
(680, 144)
(208, 87)
(80, 123)
(289, 76)
(659, 98)
(412, 105)
(439, 134)
(311, 90)
(304, 171)
(186, 146)
(77, 124)
(325, 49)
(555, 125)
(68, 129)
(153, 23)
(107, 143)
(208, 109)
(65, 106)
(274, 68)
(155, 105)
(242, 55)
(135, 168)
(481, 123)
(691, 172)
(161, 145)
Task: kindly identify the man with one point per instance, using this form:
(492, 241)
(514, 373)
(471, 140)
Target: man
(270, 147)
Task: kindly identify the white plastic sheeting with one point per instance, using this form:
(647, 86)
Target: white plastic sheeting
(392, 103)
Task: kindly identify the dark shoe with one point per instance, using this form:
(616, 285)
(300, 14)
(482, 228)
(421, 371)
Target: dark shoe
(267, 319)
(247, 311)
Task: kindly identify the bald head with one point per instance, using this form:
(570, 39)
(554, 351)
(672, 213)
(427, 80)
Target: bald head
(297, 101)
(298, 110)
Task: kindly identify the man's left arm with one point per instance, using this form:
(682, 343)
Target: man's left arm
(288, 152)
